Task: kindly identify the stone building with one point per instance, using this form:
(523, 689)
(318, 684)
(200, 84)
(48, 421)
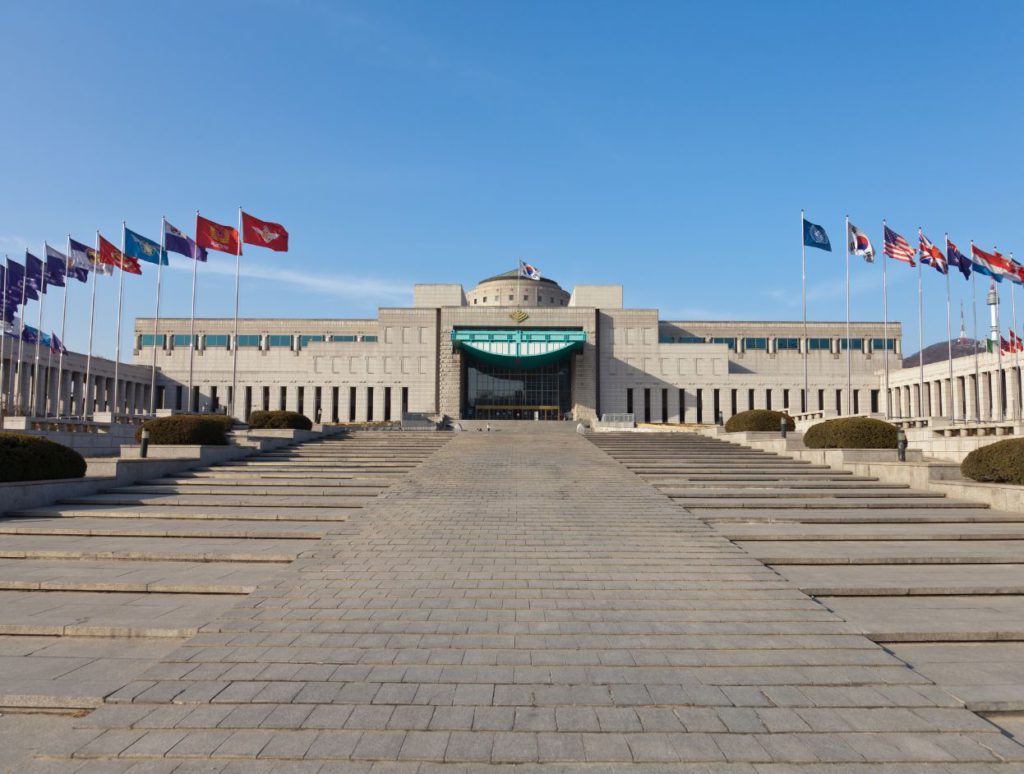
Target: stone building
(515, 348)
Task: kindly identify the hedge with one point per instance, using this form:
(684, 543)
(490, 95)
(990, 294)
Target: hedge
(1001, 462)
(29, 458)
(851, 433)
(758, 420)
(279, 420)
(187, 430)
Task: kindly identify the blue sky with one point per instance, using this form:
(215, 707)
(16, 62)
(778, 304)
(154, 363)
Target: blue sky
(665, 146)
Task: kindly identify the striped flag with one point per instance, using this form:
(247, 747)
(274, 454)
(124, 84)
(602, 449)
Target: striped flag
(898, 248)
(991, 264)
(931, 255)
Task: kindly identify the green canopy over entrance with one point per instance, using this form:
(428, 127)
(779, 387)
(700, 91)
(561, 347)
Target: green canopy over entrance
(518, 347)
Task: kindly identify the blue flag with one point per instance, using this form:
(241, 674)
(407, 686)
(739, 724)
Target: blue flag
(958, 259)
(179, 242)
(29, 334)
(33, 277)
(15, 280)
(815, 236)
(138, 246)
(54, 270)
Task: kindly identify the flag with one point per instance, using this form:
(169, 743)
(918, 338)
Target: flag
(958, 259)
(815, 236)
(56, 345)
(931, 255)
(29, 334)
(179, 242)
(111, 256)
(66, 268)
(264, 233)
(54, 269)
(138, 246)
(86, 259)
(859, 243)
(33, 276)
(1016, 272)
(217, 237)
(528, 271)
(15, 280)
(897, 248)
(1016, 345)
(990, 264)
(1004, 346)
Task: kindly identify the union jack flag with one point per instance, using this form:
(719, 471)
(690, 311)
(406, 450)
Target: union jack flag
(931, 255)
(898, 248)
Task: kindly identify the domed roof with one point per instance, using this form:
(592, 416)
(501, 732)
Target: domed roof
(514, 274)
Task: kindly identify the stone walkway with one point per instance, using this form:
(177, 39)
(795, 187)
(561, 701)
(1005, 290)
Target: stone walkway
(525, 600)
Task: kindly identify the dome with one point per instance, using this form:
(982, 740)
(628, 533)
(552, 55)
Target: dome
(509, 289)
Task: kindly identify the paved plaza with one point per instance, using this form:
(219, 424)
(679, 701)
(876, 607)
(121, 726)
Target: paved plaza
(428, 601)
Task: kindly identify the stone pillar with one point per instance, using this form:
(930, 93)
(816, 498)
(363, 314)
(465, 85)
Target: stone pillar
(690, 406)
(361, 403)
(673, 406)
(378, 402)
(655, 404)
(708, 406)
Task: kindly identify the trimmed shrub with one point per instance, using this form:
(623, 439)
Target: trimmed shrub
(1001, 462)
(186, 430)
(758, 420)
(851, 433)
(29, 458)
(279, 420)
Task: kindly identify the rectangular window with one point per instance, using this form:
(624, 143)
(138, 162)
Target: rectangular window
(819, 344)
(821, 400)
(664, 406)
(629, 400)
(666, 340)
(282, 398)
(691, 340)
(855, 344)
(345, 337)
(177, 397)
(214, 402)
(785, 399)
(248, 401)
(728, 341)
(248, 341)
(266, 399)
(405, 400)
(217, 341)
(161, 340)
(787, 344)
(682, 406)
(750, 399)
(301, 400)
(369, 338)
(874, 401)
(387, 404)
(369, 404)
(304, 340)
(279, 341)
(877, 345)
(839, 401)
(647, 404)
(700, 405)
(183, 340)
(733, 407)
(758, 343)
(768, 399)
(351, 404)
(334, 404)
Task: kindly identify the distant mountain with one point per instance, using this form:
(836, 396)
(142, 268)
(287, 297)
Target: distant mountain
(939, 351)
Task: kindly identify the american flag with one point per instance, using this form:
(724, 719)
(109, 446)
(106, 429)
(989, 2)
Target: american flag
(898, 248)
(931, 255)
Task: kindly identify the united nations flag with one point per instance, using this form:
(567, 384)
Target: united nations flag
(138, 246)
(815, 236)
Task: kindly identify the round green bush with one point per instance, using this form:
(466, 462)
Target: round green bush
(30, 458)
(851, 433)
(1001, 462)
(187, 430)
(758, 420)
(279, 420)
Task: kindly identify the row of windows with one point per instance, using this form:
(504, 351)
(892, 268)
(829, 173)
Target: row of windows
(526, 297)
(247, 340)
(782, 344)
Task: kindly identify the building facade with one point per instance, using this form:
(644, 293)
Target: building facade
(515, 348)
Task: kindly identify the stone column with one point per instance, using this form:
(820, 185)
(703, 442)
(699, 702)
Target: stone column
(708, 406)
(673, 406)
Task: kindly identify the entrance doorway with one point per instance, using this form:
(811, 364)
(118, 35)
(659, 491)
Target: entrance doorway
(500, 392)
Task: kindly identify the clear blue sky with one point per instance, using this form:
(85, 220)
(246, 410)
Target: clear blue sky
(665, 146)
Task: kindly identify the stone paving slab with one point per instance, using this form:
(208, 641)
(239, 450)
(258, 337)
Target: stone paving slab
(987, 676)
(957, 531)
(478, 617)
(149, 548)
(936, 619)
(885, 552)
(301, 532)
(886, 580)
(233, 513)
(223, 501)
(935, 513)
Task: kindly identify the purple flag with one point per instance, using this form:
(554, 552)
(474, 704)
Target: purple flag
(33, 276)
(177, 241)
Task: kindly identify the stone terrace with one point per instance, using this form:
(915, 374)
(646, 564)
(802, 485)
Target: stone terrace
(524, 599)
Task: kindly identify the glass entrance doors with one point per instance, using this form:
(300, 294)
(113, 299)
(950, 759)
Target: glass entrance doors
(497, 392)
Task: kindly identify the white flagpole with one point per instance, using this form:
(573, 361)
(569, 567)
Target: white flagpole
(803, 278)
(156, 319)
(117, 344)
(3, 337)
(192, 323)
(920, 336)
(39, 335)
(63, 325)
(999, 352)
(949, 337)
(87, 400)
(977, 374)
(21, 340)
(1016, 355)
(234, 341)
(849, 351)
(885, 323)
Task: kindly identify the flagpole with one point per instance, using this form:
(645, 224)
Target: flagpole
(234, 341)
(803, 278)
(1016, 349)
(849, 351)
(977, 375)
(885, 326)
(21, 340)
(156, 319)
(3, 335)
(86, 407)
(999, 353)
(192, 324)
(39, 335)
(949, 337)
(920, 335)
(117, 344)
(63, 324)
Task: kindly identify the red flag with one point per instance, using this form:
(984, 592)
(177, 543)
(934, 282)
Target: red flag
(111, 256)
(217, 237)
(264, 233)
(1004, 346)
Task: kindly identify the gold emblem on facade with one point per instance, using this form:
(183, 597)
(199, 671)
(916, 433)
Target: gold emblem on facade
(519, 315)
